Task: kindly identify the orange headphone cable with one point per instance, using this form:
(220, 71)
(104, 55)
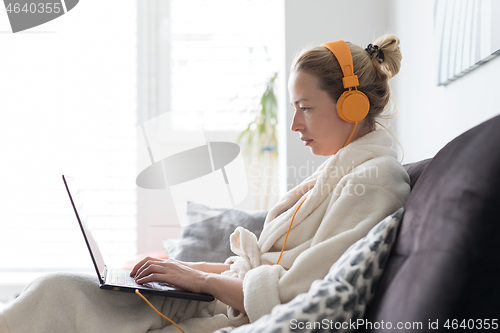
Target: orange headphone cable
(289, 228)
(158, 312)
(355, 125)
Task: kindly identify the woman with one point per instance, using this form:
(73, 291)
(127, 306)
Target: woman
(360, 184)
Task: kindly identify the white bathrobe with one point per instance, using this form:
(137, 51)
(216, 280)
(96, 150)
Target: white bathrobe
(349, 193)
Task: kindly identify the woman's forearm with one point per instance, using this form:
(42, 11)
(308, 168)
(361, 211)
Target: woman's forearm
(227, 289)
(214, 267)
(207, 267)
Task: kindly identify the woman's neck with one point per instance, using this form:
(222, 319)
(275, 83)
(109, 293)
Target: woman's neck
(361, 131)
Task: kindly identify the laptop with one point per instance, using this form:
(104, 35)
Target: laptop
(118, 279)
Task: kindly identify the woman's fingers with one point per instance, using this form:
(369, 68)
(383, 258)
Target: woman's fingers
(155, 277)
(141, 263)
(146, 265)
(152, 269)
(138, 265)
(172, 272)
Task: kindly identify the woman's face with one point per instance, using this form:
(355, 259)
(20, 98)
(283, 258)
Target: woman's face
(316, 117)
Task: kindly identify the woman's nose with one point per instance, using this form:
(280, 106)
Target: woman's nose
(297, 122)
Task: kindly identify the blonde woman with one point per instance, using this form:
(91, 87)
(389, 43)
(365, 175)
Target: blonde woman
(360, 184)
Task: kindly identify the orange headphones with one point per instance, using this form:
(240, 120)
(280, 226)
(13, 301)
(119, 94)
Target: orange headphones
(352, 105)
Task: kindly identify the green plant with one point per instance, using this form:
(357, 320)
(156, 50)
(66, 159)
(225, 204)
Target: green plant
(259, 137)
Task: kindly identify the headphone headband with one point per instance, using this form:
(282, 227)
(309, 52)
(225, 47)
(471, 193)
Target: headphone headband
(341, 51)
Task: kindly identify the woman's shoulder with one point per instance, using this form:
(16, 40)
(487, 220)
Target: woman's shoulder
(382, 170)
(370, 159)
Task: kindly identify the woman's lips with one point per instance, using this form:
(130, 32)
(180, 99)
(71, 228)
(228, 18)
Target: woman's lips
(307, 142)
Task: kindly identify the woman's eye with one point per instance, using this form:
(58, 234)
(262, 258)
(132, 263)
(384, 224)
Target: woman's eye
(304, 109)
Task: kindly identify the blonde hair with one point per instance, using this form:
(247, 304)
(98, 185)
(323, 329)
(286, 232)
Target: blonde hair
(373, 75)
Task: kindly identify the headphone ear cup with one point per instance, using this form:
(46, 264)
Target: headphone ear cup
(353, 106)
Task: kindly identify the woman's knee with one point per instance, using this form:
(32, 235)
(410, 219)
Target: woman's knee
(58, 283)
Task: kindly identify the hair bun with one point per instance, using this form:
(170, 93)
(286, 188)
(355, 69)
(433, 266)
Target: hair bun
(388, 54)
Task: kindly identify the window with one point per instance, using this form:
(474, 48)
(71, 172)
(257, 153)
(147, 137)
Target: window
(211, 63)
(68, 106)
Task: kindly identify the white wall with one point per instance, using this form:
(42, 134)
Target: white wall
(312, 23)
(431, 116)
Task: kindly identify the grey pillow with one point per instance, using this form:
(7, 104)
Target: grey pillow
(208, 240)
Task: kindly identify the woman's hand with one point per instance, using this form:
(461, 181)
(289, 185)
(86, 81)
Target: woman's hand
(170, 271)
(184, 275)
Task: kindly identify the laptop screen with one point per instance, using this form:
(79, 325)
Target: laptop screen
(76, 201)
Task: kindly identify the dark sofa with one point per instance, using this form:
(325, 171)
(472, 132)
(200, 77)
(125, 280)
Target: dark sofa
(445, 263)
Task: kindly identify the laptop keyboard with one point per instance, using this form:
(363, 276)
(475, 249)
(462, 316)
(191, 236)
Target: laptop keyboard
(123, 278)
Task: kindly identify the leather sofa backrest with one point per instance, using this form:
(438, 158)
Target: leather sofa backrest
(445, 263)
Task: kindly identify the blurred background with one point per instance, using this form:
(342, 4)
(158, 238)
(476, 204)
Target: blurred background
(76, 94)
